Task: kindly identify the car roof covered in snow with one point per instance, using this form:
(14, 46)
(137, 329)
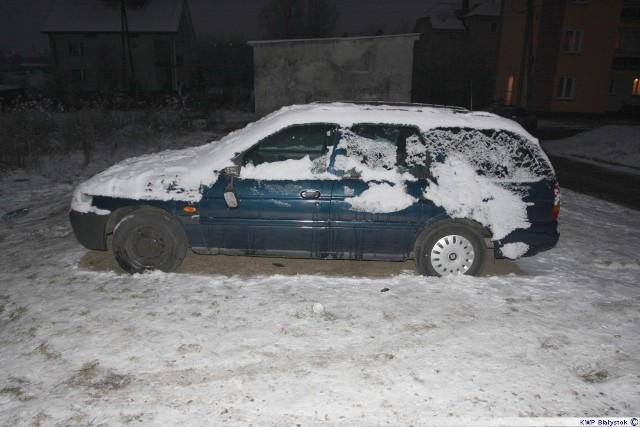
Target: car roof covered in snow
(179, 174)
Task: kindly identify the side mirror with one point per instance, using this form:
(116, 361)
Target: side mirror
(230, 199)
(232, 171)
(229, 195)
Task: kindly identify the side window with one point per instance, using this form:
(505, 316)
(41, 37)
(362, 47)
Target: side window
(387, 147)
(292, 143)
(495, 154)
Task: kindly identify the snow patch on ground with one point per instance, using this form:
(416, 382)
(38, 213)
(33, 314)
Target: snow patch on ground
(612, 144)
(82, 347)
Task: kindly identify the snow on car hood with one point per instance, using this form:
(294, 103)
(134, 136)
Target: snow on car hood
(180, 174)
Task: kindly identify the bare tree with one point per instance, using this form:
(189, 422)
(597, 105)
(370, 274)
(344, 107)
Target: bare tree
(123, 5)
(290, 19)
(321, 17)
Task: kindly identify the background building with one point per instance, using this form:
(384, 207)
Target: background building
(456, 57)
(583, 56)
(375, 68)
(96, 47)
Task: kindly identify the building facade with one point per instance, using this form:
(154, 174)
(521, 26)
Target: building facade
(582, 55)
(375, 68)
(90, 53)
(456, 56)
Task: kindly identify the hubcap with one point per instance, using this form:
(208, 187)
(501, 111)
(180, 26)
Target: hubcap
(149, 246)
(452, 255)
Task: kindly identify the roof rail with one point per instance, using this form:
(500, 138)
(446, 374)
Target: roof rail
(397, 104)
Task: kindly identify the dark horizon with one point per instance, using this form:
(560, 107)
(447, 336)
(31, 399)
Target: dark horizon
(22, 20)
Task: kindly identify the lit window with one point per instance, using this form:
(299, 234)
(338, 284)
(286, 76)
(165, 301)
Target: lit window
(75, 49)
(619, 42)
(573, 41)
(509, 96)
(636, 88)
(79, 75)
(566, 87)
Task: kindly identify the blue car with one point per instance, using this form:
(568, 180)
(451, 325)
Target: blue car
(352, 181)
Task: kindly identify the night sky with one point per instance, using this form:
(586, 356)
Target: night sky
(21, 20)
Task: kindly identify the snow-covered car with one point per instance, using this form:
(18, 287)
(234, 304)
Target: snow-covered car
(333, 180)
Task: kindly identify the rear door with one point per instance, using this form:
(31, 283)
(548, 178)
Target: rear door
(377, 207)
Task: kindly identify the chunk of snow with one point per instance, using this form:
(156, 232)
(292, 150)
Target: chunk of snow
(465, 194)
(382, 198)
(514, 250)
(290, 169)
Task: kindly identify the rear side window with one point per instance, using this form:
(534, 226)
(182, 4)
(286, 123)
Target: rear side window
(381, 146)
(496, 154)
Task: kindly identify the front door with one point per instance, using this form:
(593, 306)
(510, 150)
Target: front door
(283, 202)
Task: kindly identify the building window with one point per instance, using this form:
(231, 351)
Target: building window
(573, 41)
(619, 42)
(79, 75)
(630, 10)
(636, 88)
(566, 87)
(612, 87)
(494, 27)
(163, 52)
(75, 49)
(508, 99)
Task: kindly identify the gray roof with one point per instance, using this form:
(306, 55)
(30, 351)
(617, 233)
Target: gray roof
(97, 16)
(488, 8)
(442, 16)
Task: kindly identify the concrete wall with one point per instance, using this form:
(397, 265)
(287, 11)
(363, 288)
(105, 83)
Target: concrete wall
(352, 68)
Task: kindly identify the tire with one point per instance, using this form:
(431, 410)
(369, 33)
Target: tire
(449, 249)
(149, 239)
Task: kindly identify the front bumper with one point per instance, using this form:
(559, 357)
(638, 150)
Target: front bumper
(90, 229)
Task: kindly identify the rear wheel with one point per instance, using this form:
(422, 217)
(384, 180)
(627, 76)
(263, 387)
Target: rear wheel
(450, 249)
(149, 239)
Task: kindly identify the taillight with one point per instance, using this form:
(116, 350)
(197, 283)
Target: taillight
(556, 202)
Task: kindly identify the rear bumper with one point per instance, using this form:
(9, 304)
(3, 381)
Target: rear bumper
(539, 237)
(89, 229)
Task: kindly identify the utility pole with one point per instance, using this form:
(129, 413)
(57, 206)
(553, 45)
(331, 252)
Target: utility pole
(526, 62)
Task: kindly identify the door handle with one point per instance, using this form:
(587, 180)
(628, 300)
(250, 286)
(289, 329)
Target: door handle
(310, 194)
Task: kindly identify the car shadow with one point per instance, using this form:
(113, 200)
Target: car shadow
(263, 266)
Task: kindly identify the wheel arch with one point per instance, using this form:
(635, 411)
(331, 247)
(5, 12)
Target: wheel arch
(117, 215)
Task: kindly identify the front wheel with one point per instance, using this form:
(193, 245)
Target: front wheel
(450, 249)
(149, 239)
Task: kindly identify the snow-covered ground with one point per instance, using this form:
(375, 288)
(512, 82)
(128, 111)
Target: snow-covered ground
(80, 347)
(615, 145)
